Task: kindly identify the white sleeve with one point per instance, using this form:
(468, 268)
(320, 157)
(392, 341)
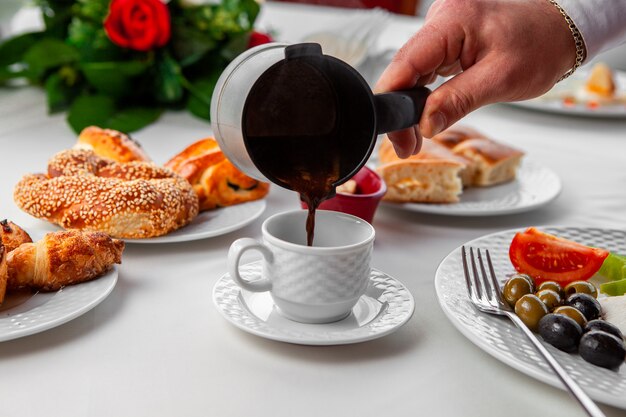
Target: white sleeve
(602, 23)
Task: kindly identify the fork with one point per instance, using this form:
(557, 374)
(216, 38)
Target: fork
(485, 294)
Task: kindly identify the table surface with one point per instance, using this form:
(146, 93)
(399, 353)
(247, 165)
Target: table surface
(158, 347)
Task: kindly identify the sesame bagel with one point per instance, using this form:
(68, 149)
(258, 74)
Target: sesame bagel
(126, 200)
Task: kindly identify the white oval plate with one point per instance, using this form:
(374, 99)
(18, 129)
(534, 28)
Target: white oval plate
(552, 101)
(500, 338)
(534, 187)
(383, 309)
(23, 314)
(212, 223)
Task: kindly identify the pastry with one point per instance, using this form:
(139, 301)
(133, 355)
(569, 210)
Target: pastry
(422, 180)
(600, 82)
(491, 162)
(12, 235)
(111, 144)
(62, 258)
(3, 272)
(430, 150)
(494, 163)
(126, 200)
(216, 181)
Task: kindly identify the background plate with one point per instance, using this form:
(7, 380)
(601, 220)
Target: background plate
(499, 337)
(212, 223)
(534, 187)
(23, 314)
(552, 102)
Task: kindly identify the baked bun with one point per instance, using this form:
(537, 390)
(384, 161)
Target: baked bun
(216, 181)
(491, 162)
(422, 180)
(430, 150)
(126, 200)
(494, 162)
(12, 235)
(111, 144)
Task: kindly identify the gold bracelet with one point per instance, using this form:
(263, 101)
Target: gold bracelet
(578, 41)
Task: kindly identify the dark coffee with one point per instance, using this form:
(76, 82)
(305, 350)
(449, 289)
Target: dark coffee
(307, 128)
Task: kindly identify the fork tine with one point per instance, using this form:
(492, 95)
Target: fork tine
(470, 287)
(492, 274)
(477, 280)
(488, 285)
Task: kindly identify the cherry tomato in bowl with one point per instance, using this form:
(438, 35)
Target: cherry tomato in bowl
(547, 257)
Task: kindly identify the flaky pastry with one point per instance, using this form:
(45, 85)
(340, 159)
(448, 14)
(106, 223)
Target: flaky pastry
(216, 181)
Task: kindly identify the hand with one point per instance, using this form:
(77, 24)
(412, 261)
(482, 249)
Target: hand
(497, 50)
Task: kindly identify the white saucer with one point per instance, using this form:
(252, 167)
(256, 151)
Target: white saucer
(384, 308)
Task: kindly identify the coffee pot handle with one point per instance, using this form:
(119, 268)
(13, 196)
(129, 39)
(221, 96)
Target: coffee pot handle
(235, 252)
(399, 109)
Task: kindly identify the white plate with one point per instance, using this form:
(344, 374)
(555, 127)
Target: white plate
(552, 101)
(212, 223)
(23, 313)
(499, 336)
(385, 306)
(534, 187)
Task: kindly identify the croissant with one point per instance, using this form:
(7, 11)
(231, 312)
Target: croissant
(126, 200)
(3, 272)
(216, 181)
(111, 144)
(62, 258)
(12, 235)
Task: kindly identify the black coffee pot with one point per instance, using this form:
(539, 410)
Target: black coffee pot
(283, 110)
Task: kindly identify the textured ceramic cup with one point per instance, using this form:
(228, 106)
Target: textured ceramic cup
(310, 284)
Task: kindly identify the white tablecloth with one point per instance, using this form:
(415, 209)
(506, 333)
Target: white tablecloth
(158, 347)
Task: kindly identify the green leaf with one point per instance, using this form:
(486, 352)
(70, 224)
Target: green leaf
(189, 44)
(7, 74)
(133, 118)
(201, 91)
(113, 78)
(12, 50)
(61, 90)
(167, 83)
(48, 54)
(102, 111)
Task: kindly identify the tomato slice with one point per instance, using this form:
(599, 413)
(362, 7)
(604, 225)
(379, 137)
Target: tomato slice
(547, 257)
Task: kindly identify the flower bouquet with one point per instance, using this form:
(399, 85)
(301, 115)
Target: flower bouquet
(120, 63)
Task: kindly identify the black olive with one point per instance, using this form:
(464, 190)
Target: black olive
(560, 331)
(605, 326)
(602, 349)
(589, 306)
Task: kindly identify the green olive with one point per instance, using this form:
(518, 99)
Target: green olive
(530, 309)
(516, 287)
(551, 285)
(550, 298)
(583, 287)
(573, 313)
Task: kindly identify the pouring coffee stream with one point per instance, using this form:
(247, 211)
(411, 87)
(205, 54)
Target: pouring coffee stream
(306, 122)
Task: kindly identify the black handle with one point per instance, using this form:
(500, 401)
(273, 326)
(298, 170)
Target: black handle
(400, 109)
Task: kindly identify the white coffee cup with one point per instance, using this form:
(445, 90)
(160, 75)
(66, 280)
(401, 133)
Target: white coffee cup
(310, 284)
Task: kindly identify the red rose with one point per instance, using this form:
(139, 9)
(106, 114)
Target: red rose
(138, 24)
(258, 38)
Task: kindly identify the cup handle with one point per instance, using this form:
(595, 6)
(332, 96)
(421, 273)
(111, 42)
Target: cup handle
(235, 252)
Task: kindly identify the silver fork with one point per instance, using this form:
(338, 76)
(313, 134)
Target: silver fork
(485, 294)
